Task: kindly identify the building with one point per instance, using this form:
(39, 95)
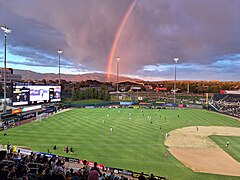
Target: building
(10, 77)
(125, 86)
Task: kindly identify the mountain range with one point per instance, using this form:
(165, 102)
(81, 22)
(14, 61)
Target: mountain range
(31, 75)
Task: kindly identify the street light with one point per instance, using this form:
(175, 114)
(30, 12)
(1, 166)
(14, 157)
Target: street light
(6, 30)
(175, 77)
(59, 53)
(118, 59)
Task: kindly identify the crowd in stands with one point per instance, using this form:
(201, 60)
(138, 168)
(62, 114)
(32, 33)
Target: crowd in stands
(39, 167)
(227, 104)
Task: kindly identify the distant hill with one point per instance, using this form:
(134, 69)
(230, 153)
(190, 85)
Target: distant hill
(31, 75)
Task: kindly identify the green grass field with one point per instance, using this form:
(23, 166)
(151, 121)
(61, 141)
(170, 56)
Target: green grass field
(234, 145)
(135, 144)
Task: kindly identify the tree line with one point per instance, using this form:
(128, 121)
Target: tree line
(90, 93)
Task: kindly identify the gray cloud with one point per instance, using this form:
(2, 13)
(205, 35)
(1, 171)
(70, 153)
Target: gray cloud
(201, 33)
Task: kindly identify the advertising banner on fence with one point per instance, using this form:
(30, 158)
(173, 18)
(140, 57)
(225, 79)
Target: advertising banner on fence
(126, 103)
(91, 164)
(118, 171)
(180, 105)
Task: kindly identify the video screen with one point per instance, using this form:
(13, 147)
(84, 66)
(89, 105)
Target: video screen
(55, 93)
(21, 96)
(33, 94)
(39, 93)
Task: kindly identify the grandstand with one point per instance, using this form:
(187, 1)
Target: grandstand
(227, 102)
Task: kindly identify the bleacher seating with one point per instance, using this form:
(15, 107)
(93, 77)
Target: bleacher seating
(40, 167)
(226, 103)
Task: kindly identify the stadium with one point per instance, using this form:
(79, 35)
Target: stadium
(127, 138)
(66, 113)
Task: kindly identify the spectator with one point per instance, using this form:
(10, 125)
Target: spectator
(47, 174)
(3, 172)
(104, 176)
(68, 176)
(141, 177)
(151, 177)
(112, 176)
(93, 175)
(96, 168)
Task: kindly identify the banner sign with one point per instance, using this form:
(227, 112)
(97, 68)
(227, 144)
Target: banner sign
(91, 164)
(126, 103)
(24, 151)
(118, 171)
(25, 109)
(27, 116)
(180, 105)
(15, 111)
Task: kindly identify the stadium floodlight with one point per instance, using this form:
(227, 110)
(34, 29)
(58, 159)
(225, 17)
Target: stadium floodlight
(175, 77)
(6, 31)
(59, 57)
(118, 59)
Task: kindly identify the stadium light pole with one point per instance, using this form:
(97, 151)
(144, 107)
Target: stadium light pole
(175, 77)
(59, 57)
(6, 30)
(118, 59)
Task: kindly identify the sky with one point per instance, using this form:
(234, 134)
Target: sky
(203, 34)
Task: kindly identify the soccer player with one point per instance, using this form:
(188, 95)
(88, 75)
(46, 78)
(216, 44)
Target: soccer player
(111, 129)
(227, 143)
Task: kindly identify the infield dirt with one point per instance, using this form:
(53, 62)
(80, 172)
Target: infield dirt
(193, 147)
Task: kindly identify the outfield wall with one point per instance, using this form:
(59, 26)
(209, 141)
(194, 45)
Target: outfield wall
(134, 104)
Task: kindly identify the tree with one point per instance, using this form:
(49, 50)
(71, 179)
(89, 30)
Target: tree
(75, 94)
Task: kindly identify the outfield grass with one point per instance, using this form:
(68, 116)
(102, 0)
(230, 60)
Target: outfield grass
(134, 144)
(234, 145)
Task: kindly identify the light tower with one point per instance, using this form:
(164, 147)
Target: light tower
(6, 30)
(175, 77)
(118, 59)
(59, 55)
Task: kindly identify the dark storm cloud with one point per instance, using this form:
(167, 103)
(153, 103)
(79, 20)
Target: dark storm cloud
(203, 34)
(85, 27)
(195, 31)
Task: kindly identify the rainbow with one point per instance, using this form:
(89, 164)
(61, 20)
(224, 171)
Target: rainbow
(116, 39)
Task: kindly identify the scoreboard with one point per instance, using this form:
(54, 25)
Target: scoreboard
(34, 94)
